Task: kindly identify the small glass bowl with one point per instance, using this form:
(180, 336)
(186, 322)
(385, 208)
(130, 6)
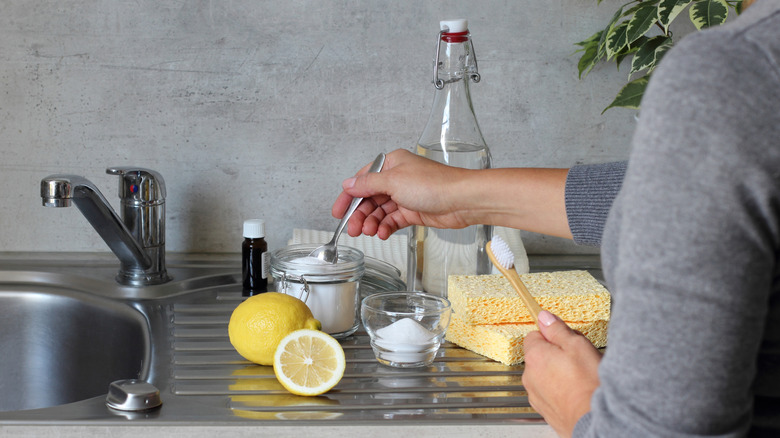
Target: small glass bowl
(406, 328)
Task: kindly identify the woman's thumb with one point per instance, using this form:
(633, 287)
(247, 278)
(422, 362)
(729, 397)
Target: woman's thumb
(363, 185)
(553, 328)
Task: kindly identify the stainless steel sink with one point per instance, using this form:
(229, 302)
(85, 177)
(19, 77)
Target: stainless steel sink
(60, 345)
(68, 329)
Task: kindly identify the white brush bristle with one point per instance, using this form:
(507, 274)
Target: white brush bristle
(501, 251)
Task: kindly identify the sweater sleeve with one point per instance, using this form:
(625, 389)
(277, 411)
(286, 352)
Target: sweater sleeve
(590, 190)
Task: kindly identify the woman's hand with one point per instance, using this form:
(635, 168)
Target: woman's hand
(561, 373)
(410, 190)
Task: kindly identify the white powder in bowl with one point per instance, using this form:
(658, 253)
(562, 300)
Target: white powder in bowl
(405, 335)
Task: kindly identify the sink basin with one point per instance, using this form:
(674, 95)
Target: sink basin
(61, 345)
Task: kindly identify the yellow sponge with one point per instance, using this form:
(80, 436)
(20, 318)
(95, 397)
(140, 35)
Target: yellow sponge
(490, 299)
(504, 342)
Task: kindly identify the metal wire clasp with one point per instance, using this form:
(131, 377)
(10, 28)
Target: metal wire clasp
(473, 72)
(304, 291)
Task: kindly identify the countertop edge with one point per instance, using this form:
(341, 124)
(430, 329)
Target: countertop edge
(277, 431)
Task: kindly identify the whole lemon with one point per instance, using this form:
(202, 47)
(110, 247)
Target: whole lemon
(259, 323)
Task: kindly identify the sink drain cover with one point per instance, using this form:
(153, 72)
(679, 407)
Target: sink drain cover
(133, 395)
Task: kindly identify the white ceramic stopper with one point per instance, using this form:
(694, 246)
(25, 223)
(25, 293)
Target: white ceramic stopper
(459, 25)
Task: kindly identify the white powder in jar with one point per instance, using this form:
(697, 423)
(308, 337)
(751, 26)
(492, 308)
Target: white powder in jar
(309, 260)
(333, 304)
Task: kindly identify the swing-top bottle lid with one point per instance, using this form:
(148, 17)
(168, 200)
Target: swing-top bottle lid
(454, 26)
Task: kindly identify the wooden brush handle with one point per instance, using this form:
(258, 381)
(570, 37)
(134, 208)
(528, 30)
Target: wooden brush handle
(514, 279)
(530, 302)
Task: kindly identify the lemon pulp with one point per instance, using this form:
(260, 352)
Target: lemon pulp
(309, 362)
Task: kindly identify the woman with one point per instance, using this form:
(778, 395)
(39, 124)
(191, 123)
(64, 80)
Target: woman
(690, 247)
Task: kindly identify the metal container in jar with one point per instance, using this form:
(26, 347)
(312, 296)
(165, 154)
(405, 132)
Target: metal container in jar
(329, 289)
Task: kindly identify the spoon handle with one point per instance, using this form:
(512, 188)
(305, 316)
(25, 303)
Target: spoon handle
(376, 166)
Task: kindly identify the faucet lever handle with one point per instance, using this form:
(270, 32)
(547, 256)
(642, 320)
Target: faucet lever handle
(139, 184)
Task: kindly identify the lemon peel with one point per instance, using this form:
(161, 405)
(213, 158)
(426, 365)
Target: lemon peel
(258, 324)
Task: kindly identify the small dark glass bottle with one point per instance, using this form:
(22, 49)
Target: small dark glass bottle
(254, 256)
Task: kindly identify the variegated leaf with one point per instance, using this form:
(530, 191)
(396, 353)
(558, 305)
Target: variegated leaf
(706, 13)
(650, 53)
(603, 44)
(626, 53)
(616, 40)
(641, 22)
(615, 17)
(668, 10)
(641, 4)
(630, 96)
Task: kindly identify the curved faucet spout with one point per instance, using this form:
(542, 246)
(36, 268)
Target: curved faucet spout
(141, 257)
(61, 190)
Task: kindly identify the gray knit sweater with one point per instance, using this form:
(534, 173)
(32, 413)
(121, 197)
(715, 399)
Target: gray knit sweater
(690, 248)
(590, 191)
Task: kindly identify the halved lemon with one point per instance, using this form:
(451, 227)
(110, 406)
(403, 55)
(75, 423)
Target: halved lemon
(309, 362)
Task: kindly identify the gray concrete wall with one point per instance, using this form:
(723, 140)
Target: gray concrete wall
(260, 108)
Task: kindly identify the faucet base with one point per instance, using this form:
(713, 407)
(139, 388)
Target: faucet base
(142, 278)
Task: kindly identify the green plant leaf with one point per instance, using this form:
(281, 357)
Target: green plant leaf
(616, 40)
(641, 22)
(630, 96)
(615, 17)
(604, 33)
(707, 13)
(650, 53)
(603, 44)
(626, 34)
(624, 54)
(668, 10)
(739, 7)
(593, 39)
(588, 60)
(639, 5)
(591, 54)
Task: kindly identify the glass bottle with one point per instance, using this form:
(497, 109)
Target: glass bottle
(254, 254)
(451, 136)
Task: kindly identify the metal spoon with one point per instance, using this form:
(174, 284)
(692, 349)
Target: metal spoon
(328, 252)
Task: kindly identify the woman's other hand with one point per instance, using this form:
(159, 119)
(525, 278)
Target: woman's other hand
(561, 373)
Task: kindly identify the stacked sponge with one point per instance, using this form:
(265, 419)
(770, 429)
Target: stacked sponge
(490, 318)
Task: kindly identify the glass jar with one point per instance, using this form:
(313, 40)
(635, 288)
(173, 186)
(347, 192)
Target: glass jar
(329, 289)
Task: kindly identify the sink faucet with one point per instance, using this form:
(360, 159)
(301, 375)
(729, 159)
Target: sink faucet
(138, 237)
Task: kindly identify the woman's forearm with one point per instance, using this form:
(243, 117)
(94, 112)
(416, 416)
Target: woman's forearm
(531, 199)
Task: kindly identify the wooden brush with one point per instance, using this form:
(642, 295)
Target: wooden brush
(501, 256)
